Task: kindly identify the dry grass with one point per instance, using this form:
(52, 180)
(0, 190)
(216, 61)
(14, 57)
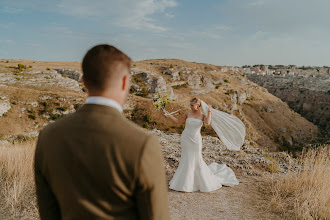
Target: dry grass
(17, 192)
(305, 194)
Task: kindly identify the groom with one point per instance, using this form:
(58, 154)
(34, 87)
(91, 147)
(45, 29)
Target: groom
(96, 164)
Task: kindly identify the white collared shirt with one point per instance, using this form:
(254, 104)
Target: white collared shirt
(99, 100)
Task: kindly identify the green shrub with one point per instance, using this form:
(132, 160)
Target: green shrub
(32, 116)
(47, 68)
(146, 125)
(144, 90)
(45, 104)
(132, 90)
(216, 87)
(185, 85)
(22, 138)
(226, 80)
(148, 118)
(77, 106)
(203, 128)
(63, 109)
(229, 92)
(63, 75)
(54, 116)
(30, 111)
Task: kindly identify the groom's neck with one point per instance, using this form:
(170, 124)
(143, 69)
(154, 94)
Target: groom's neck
(110, 95)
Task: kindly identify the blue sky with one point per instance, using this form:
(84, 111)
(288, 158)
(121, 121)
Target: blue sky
(223, 32)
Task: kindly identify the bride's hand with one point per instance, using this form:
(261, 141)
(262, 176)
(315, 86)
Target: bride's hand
(166, 113)
(210, 108)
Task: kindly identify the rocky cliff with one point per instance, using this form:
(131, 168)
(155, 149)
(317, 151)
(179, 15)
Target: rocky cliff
(309, 96)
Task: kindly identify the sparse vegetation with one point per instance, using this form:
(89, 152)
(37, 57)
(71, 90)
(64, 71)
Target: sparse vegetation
(148, 118)
(77, 106)
(185, 85)
(146, 125)
(17, 189)
(304, 194)
(47, 68)
(32, 116)
(132, 90)
(63, 108)
(226, 80)
(144, 90)
(55, 116)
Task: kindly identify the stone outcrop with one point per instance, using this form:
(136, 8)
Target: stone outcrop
(4, 106)
(153, 83)
(40, 78)
(73, 74)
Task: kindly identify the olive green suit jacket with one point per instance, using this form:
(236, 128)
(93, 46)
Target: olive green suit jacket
(96, 164)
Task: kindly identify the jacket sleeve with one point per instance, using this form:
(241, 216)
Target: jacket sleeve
(47, 203)
(152, 198)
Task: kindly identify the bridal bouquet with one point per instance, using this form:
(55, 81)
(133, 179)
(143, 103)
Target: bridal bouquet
(161, 101)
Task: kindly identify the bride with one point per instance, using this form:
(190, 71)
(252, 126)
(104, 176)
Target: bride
(193, 174)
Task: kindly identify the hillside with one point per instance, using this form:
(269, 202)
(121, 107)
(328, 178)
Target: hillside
(37, 94)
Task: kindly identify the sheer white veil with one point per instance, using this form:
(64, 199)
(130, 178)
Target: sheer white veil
(229, 128)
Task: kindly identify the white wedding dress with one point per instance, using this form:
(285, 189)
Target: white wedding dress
(193, 174)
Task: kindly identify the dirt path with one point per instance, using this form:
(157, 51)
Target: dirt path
(238, 202)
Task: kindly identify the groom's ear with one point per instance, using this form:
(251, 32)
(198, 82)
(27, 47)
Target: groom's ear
(125, 83)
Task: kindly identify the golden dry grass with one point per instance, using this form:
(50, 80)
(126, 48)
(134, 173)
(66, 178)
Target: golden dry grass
(305, 194)
(17, 192)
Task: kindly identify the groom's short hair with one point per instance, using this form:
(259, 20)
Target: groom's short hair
(102, 65)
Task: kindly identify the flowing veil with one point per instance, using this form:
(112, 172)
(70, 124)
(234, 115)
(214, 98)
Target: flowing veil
(229, 128)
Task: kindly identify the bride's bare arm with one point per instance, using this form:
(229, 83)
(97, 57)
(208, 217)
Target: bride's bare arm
(207, 120)
(180, 120)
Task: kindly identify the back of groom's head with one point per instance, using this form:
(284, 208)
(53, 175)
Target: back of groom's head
(103, 67)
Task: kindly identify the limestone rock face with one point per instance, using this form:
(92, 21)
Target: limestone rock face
(4, 107)
(308, 96)
(73, 74)
(207, 82)
(239, 98)
(194, 80)
(40, 78)
(154, 83)
(174, 75)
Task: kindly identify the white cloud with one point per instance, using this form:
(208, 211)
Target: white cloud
(11, 10)
(278, 16)
(134, 14)
(223, 27)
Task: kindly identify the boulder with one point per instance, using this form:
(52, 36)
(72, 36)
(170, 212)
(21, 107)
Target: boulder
(4, 107)
(73, 74)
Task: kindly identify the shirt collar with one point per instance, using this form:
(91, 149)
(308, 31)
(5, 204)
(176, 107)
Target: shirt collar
(99, 100)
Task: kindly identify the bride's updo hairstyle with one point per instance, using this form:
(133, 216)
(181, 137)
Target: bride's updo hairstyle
(196, 100)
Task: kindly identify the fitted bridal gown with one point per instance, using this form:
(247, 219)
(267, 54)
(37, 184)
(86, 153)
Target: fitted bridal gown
(193, 174)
